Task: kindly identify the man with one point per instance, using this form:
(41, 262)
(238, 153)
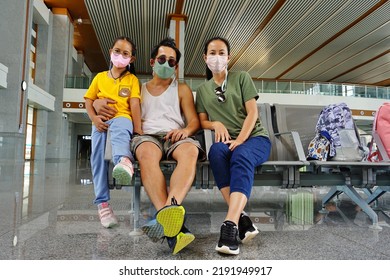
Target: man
(166, 135)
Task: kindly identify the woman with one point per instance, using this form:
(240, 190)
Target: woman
(226, 104)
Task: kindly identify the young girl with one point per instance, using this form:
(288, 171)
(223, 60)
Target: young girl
(121, 85)
(227, 104)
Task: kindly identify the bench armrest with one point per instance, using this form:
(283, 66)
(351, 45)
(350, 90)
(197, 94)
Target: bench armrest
(297, 143)
(380, 146)
(108, 148)
(208, 140)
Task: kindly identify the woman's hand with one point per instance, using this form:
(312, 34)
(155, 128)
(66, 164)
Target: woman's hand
(234, 143)
(221, 133)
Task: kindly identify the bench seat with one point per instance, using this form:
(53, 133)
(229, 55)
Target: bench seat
(290, 127)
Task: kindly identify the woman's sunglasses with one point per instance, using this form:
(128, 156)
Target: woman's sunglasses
(220, 92)
(162, 59)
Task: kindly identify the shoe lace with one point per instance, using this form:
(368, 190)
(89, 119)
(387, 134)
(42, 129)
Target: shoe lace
(124, 161)
(174, 201)
(105, 212)
(228, 232)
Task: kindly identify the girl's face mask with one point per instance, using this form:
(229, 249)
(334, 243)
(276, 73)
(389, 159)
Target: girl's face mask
(216, 63)
(119, 61)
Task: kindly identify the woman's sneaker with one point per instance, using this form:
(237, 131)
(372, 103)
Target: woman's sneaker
(180, 241)
(228, 243)
(106, 215)
(123, 172)
(246, 229)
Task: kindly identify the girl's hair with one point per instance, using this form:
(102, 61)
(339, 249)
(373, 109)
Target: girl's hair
(167, 42)
(209, 74)
(129, 67)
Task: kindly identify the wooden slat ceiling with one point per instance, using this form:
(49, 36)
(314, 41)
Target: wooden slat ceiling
(306, 40)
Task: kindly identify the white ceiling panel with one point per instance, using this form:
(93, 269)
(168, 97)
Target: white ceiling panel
(370, 72)
(297, 40)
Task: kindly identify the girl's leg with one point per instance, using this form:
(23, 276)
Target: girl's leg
(99, 166)
(121, 130)
(100, 179)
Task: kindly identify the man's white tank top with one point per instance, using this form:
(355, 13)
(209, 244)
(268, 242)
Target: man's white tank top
(162, 113)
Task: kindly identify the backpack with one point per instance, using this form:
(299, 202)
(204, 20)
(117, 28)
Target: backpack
(380, 134)
(337, 121)
(319, 147)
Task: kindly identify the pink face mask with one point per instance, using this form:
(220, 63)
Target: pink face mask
(119, 61)
(216, 63)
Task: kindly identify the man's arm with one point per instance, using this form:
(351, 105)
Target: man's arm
(97, 120)
(187, 106)
(103, 109)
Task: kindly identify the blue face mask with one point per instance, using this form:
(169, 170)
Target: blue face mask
(164, 71)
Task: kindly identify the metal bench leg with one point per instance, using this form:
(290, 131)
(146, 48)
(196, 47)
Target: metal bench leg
(352, 194)
(378, 192)
(332, 193)
(136, 205)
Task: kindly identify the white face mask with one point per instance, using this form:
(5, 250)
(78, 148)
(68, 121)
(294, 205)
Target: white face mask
(217, 63)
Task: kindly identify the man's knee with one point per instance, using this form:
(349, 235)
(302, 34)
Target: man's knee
(148, 152)
(186, 151)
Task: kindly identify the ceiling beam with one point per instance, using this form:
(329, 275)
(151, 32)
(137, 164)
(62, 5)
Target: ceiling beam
(260, 28)
(345, 29)
(360, 65)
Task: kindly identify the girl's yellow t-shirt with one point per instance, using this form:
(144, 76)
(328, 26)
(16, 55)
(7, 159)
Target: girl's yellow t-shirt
(120, 90)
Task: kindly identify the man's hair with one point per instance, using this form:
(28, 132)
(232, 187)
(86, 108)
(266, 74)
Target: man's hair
(167, 42)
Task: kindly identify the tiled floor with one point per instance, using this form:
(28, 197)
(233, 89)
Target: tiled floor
(59, 222)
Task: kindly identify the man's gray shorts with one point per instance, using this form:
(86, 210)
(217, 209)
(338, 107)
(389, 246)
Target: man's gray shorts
(166, 147)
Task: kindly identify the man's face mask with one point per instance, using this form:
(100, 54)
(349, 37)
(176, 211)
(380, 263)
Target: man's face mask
(163, 67)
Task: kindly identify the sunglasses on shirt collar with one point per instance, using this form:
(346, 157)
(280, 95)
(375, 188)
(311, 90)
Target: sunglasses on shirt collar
(220, 92)
(162, 59)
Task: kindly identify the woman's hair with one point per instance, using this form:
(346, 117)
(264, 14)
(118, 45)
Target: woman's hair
(129, 67)
(209, 74)
(167, 42)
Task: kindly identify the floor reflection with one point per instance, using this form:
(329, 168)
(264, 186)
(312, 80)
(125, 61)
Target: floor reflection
(59, 221)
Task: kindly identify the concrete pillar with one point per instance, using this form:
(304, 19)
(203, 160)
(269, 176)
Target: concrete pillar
(61, 57)
(177, 31)
(15, 37)
(44, 51)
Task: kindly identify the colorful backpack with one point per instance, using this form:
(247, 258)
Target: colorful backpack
(381, 134)
(319, 147)
(337, 121)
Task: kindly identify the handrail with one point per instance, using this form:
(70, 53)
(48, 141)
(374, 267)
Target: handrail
(275, 86)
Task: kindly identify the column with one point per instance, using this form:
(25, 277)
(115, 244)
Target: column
(176, 31)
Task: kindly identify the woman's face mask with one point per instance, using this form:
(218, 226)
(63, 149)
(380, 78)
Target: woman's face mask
(216, 63)
(119, 61)
(164, 71)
